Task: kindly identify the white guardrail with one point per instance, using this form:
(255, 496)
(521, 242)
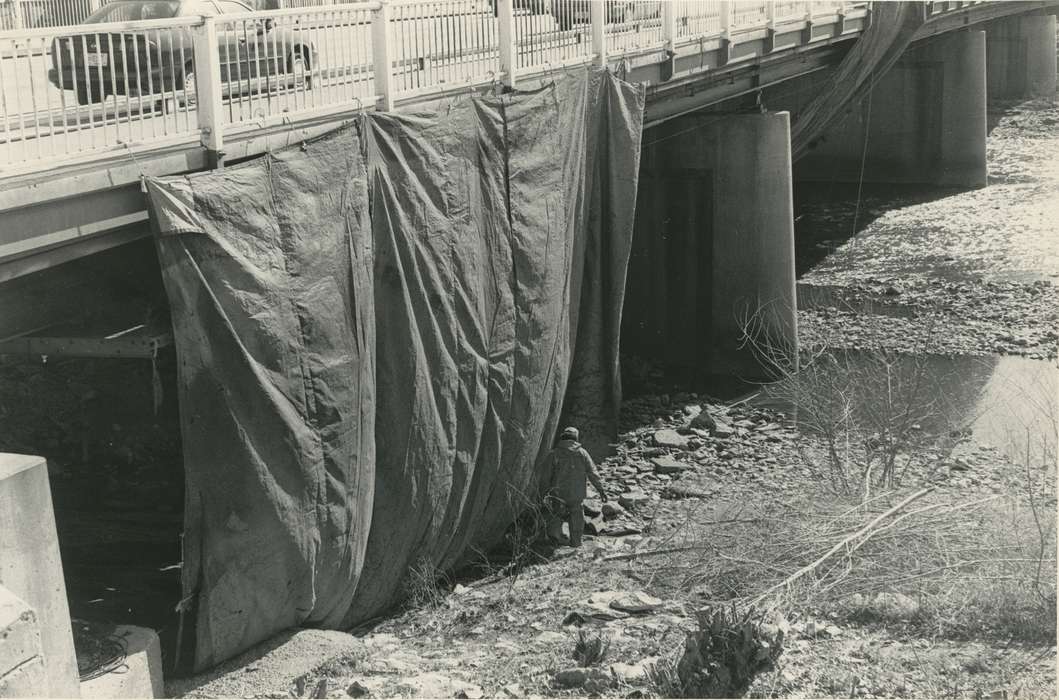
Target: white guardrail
(210, 68)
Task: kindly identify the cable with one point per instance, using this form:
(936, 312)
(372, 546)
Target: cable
(863, 154)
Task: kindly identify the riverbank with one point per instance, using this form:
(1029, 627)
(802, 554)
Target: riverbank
(892, 505)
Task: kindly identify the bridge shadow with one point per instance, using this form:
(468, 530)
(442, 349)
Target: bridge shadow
(827, 214)
(109, 428)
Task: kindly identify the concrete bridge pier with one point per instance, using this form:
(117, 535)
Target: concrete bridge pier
(923, 123)
(713, 250)
(1020, 52)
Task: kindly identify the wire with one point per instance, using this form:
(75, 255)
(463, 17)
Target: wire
(863, 154)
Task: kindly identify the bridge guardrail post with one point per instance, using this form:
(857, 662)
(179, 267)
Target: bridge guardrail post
(770, 26)
(380, 46)
(669, 36)
(16, 14)
(599, 31)
(727, 20)
(508, 48)
(208, 90)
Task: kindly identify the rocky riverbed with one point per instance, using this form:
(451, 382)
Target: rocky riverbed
(970, 272)
(714, 502)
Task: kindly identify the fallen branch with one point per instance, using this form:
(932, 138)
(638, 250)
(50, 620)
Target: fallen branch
(865, 532)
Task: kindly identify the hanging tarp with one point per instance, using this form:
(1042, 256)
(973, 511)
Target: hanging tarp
(893, 26)
(376, 332)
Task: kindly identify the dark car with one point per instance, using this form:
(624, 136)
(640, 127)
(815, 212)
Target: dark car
(158, 61)
(568, 13)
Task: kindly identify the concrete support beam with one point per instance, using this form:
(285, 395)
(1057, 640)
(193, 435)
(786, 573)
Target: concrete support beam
(923, 123)
(30, 566)
(714, 244)
(1020, 52)
(21, 656)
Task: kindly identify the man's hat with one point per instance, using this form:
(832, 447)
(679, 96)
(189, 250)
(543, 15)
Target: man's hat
(570, 434)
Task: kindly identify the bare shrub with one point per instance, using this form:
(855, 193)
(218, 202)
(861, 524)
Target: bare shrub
(727, 652)
(590, 649)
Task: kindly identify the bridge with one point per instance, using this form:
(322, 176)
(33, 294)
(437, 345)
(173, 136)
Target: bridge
(740, 100)
(89, 109)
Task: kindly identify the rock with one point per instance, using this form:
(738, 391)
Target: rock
(668, 465)
(636, 602)
(549, 637)
(631, 674)
(513, 690)
(670, 438)
(722, 431)
(612, 510)
(703, 421)
(470, 692)
(578, 677)
(830, 631)
(460, 589)
(895, 605)
(591, 507)
(595, 525)
(356, 689)
(633, 499)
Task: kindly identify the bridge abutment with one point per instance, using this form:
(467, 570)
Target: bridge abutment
(714, 244)
(1021, 54)
(923, 123)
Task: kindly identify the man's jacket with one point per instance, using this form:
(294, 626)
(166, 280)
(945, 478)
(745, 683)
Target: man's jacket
(567, 467)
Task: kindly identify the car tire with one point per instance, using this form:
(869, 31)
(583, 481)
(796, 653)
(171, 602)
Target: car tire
(298, 64)
(171, 103)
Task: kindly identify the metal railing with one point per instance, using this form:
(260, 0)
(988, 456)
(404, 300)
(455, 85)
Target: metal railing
(37, 14)
(75, 92)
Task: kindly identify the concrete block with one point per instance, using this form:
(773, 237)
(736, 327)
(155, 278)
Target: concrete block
(30, 565)
(141, 674)
(21, 656)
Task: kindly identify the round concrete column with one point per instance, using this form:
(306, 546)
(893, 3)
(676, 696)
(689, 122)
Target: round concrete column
(924, 122)
(961, 158)
(1021, 57)
(753, 242)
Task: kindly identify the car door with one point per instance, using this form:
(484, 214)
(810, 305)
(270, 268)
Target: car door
(237, 43)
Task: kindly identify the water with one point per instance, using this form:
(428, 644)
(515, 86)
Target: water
(1010, 403)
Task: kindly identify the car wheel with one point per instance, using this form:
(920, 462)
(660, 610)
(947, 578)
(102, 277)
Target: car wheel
(190, 95)
(299, 68)
(172, 103)
(84, 94)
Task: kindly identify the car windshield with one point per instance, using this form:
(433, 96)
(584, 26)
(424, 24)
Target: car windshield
(122, 11)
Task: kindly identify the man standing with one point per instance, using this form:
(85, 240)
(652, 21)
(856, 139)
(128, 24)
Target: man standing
(566, 467)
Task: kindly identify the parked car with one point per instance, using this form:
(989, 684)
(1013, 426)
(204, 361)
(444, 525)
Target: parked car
(568, 13)
(156, 61)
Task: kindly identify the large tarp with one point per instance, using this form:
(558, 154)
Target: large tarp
(378, 333)
(893, 26)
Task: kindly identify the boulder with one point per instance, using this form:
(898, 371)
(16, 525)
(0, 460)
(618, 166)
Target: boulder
(636, 602)
(670, 438)
(668, 465)
(895, 605)
(633, 674)
(703, 421)
(633, 499)
(722, 430)
(595, 525)
(578, 677)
